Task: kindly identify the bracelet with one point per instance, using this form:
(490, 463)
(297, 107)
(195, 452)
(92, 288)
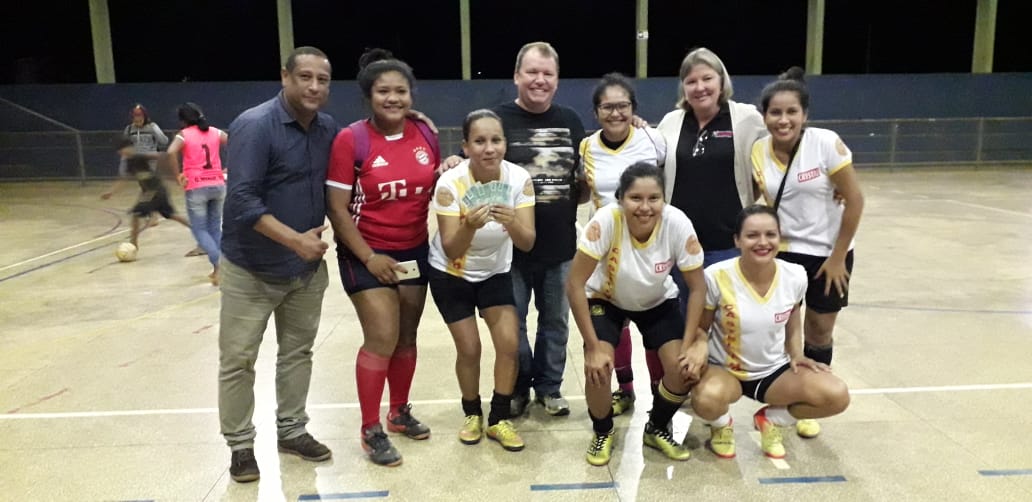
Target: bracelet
(370, 257)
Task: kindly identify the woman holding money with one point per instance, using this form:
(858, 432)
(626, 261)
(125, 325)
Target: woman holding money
(484, 206)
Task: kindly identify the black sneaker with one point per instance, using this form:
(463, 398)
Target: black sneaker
(379, 448)
(243, 468)
(306, 447)
(518, 405)
(405, 423)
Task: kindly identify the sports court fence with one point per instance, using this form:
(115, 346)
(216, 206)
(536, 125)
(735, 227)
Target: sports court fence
(37, 147)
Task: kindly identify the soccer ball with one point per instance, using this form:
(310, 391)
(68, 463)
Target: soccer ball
(126, 252)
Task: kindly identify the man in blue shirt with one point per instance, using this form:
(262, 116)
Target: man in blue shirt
(272, 257)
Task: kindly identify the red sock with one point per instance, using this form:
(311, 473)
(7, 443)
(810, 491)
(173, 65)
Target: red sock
(399, 376)
(622, 361)
(370, 374)
(655, 366)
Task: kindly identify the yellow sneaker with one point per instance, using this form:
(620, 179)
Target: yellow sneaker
(472, 430)
(622, 402)
(808, 428)
(601, 449)
(505, 433)
(722, 441)
(770, 435)
(661, 439)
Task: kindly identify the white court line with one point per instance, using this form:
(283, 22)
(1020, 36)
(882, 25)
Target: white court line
(345, 406)
(59, 251)
(980, 206)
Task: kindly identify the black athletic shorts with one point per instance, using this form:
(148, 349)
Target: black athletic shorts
(658, 325)
(816, 300)
(456, 297)
(356, 277)
(757, 389)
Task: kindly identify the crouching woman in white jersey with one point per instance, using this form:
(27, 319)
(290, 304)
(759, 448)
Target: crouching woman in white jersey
(756, 343)
(622, 271)
(470, 258)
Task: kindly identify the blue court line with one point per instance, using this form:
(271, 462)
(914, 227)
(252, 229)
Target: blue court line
(803, 479)
(939, 309)
(572, 486)
(1006, 472)
(343, 496)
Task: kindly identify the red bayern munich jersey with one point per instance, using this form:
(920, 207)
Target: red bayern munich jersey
(391, 192)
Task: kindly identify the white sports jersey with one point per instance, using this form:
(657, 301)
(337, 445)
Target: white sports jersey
(490, 252)
(810, 217)
(603, 165)
(748, 332)
(634, 275)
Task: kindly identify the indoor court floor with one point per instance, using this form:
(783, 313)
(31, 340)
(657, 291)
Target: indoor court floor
(108, 373)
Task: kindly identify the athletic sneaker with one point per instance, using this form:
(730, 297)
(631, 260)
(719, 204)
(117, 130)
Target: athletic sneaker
(472, 429)
(243, 468)
(505, 433)
(555, 404)
(770, 435)
(402, 421)
(622, 402)
(661, 439)
(306, 447)
(379, 447)
(722, 441)
(808, 428)
(518, 405)
(601, 449)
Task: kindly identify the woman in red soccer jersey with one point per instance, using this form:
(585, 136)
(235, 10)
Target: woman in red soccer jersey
(380, 180)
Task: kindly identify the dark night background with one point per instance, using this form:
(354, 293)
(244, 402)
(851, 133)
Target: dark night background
(234, 40)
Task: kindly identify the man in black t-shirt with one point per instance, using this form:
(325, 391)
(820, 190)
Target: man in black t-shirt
(153, 196)
(543, 137)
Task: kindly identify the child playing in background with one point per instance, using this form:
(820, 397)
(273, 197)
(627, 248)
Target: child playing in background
(153, 196)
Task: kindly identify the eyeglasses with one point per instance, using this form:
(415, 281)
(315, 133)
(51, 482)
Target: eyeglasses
(700, 143)
(611, 108)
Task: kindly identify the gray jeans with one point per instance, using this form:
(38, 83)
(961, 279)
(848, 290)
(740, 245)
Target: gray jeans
(247, 303)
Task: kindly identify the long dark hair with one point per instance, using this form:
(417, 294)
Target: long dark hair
(637, 171)
(376, 62)
(191, 115)
(792, 80)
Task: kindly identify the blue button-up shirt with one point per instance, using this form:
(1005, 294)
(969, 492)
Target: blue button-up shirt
(275, 167)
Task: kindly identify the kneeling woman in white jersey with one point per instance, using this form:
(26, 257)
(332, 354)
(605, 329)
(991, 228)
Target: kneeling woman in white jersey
(755, 342)
(470, 258)
(622, 271)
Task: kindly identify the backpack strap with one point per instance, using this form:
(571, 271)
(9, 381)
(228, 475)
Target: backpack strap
(361, 137)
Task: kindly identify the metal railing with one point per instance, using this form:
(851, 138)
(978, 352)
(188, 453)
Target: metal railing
(69, 154)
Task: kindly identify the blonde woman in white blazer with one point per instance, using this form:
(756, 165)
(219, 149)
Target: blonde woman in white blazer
(709, 139)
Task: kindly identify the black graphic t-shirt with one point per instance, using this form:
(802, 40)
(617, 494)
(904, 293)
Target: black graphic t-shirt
(545, 144)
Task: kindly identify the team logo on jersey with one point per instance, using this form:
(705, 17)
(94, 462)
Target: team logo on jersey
(811, 174)
(598, 310)
(528, 188)
(594, 232)
(379, 161)
(662, 268)
(422, 156)
(723, 134)
(692, 245)
(781, 317)
(444, 197)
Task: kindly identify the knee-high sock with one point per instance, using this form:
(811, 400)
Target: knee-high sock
(399, 375)
(622, 361)
(819, 354)
(370, 374)
(655, 366)
(664, 405)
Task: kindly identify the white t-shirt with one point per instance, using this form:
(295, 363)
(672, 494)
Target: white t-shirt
(490, 252)
(632, 275)
(603, 165)
(810, 217)
(748, 332)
